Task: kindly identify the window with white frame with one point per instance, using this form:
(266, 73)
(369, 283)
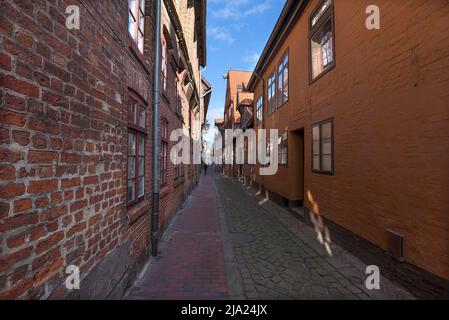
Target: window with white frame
(136, 21)
(322, 55)
(322, 149)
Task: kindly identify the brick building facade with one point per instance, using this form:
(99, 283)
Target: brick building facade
(76, 140)
(236, 83)
(363, 124)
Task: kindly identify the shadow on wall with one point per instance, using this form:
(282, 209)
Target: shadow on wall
(323, 235)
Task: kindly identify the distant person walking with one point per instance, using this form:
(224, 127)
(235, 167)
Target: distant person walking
(205, 169)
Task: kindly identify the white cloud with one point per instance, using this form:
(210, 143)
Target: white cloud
(221, 34)
(257, 9)
(238, 9)
(251, 59)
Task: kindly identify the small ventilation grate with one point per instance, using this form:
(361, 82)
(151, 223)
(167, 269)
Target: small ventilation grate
(395, 246)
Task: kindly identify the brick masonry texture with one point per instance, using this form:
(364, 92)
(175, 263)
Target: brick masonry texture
(63, 149)
(388, 99)
(191, 263)
(226, 243)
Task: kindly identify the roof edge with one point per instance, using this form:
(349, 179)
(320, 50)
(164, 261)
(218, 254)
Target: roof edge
(289, 15)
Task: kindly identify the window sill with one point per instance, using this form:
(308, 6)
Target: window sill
(282, 105)
(137, 211)
(178, 182)
(137, 54)
(322, 74)
(164, 191)
(326, 173)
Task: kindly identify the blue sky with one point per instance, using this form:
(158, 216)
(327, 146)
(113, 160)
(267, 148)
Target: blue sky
(237, 31)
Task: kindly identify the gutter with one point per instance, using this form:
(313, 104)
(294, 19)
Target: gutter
(288, 17)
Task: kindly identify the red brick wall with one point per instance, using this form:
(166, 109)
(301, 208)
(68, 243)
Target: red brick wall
(63, 148)
(173, 194)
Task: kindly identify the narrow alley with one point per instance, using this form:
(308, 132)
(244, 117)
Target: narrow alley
(227, 244)
(218, 150)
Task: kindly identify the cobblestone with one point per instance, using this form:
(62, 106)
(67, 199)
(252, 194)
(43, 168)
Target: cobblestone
(225, 245)
(277, 265)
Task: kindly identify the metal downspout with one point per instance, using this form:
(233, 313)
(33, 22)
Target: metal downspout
(155, 157)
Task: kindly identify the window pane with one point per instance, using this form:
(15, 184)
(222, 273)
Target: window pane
(131, 190)
(322, 49)
(132, 20)
(132, 5)
(280, 87)
(259, 109)
(142, 117)
(316, 133)
(132, 26)
(131, 167)
(141, 146)
(327, 130)
(326, 45)
(140, 42)
(320, 12)
(316, 56)
(316, 147)
(141, 166)
(327, 147)
(285, 85)
(327, 163)
(141, 186)
(141, 21)
(131, 144)
(284, 158)
(316, 163)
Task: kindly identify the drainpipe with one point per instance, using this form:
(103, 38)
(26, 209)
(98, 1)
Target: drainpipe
(155, 157)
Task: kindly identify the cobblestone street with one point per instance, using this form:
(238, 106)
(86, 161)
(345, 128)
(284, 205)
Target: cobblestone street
(273, 263)
(226, 244)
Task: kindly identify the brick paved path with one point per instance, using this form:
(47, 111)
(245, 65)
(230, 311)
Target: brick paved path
(226, 245)
(190, 263)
